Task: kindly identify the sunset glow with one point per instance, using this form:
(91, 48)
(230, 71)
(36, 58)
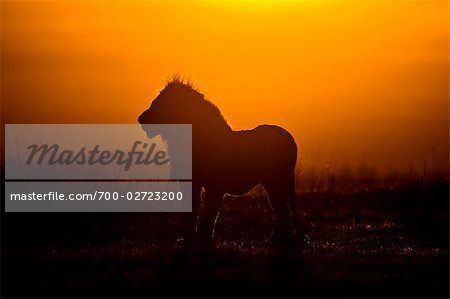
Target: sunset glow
(358, 82)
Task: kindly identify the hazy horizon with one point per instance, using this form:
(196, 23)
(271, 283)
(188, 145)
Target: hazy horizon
(356, 83)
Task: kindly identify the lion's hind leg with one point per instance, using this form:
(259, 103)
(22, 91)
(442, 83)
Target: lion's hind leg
(282, 233)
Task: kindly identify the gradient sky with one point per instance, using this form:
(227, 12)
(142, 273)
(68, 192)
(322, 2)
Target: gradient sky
(360, 82)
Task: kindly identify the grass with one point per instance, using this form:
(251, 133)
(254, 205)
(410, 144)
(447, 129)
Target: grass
(385, 243)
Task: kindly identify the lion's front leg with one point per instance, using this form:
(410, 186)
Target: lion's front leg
(213, 198)
(190, 219)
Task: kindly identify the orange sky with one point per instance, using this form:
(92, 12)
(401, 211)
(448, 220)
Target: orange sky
(357, 81)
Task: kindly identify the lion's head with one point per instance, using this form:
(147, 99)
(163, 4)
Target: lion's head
(180, 103)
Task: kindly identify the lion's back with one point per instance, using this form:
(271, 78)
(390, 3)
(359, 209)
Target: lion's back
(258, 154)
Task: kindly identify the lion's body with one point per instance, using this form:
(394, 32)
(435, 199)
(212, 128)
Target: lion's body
(262, 155)
(227, 161)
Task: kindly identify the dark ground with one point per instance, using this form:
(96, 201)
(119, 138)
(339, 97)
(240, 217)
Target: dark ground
(386, 243)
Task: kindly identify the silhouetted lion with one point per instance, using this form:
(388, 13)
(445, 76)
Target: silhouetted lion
(227, 161)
